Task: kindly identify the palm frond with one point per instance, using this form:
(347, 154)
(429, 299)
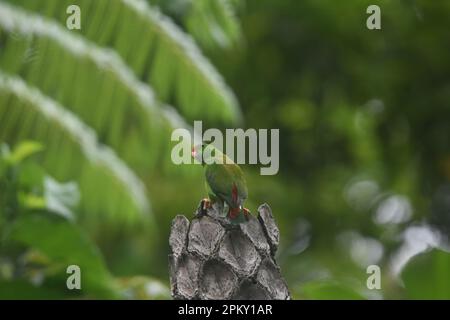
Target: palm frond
(109, 188)
(157, 50)
(213, 23)
(91, 81)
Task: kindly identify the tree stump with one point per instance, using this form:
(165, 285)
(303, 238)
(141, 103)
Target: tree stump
(213, 259)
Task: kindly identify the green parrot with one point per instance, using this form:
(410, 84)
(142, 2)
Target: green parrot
(225, 182)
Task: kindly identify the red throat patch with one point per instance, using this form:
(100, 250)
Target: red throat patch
(234, 194)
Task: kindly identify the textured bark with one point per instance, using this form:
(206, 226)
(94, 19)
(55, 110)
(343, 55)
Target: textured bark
(213, 259)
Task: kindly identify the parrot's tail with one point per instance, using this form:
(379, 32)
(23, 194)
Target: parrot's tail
(234, 213)
(237, 215)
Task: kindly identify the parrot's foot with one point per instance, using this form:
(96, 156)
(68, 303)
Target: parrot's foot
(205, 204)
(247, 213)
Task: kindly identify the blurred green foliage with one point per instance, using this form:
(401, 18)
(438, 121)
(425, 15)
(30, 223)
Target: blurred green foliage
(39, 240)
(364, 151)
(427, 276)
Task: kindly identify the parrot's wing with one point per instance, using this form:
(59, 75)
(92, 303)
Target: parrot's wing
(227, 181)
(238, 180)
(219, 180)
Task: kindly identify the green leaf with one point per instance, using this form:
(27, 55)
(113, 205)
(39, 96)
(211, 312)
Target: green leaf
(23, 151)
(427, 275)
(31, 201)
(329, 290)
(63, 242)
(21, 289)
(31, 177)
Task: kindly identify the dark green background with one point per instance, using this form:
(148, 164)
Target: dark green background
(364, 120)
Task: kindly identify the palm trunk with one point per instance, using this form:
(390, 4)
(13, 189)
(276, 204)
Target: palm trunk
(213, 259)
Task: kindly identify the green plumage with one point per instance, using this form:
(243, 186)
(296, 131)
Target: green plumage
(225, 180)
(222, 178)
